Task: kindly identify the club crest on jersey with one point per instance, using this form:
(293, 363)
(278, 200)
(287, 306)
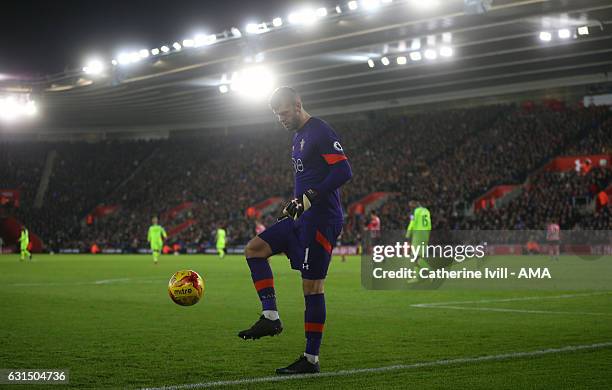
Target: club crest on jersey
(302, 142)
(337, 146)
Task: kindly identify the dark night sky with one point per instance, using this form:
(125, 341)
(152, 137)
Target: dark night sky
(46, 36)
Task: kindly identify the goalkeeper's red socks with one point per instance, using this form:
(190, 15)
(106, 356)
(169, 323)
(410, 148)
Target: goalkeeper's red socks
(261, 273)
(314, 321)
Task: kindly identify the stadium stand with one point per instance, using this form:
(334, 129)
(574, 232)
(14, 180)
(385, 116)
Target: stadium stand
(445, 158)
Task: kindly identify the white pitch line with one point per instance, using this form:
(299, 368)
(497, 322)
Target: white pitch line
(532, 298)
(450, 305)
(498, 309)
(95, 282)
(397, 367)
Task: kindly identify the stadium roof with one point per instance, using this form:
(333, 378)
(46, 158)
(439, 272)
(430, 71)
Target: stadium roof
(499, 51)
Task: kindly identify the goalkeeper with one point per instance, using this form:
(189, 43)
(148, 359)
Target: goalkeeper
(156, 237)
(24, 242)
(418, 231)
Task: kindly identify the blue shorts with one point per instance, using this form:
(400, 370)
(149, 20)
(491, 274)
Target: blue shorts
(308, 247)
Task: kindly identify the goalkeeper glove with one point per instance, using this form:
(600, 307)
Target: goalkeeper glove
(296, 207)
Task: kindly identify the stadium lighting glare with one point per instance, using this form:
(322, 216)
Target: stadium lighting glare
(425, 4)
(251, 28)
(12, 108)
(415, 56)
(353, 5)
(431, 54)
(235, 32)
(385, 61)
(114, 62)
(277, 22)
(431, 40)
(370, 5)
(338, 9)
(202, 39)
(188, 43)
(387, 1)
(306, 16)
(143, 53)
(564, 33)
(155, 51)
(164, 49)
(545, 36)
(93, 67)
(371, 63)
(446, 51)
(416, 44)
(223, 89)
(401, 60)
(321, 12)
(447, 37)
(134, 56)
(583, 30)
(123, 58)
(253, 83)
(177, 46)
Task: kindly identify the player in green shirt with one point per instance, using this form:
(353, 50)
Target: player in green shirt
(418, 230)
(24, 241)
(221, 242)
(156, 237)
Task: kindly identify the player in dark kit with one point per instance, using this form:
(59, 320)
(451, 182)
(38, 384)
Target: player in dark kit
(307, 229)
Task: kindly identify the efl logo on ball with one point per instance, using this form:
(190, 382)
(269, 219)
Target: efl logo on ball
(186, 287)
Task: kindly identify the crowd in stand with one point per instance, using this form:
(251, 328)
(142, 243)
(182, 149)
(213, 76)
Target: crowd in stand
(443, 158)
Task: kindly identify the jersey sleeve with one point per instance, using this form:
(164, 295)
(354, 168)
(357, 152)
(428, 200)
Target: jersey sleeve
(330, 147)
(332, 153)
(163, 233)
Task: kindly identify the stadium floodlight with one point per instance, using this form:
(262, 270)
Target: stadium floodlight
(135, 56)
(447, 37)
(223, 88)
(188, 43)
(401, 60)
(114, 62)
(353, 5)
(416, 44)
(564, 33)
(277, 22)
(431, 54)
(251, 28)
(338, 9)
(177, 46)
(93, 67)
(143, 53)
(583, 30)
(235, 32)
(431, 40)
(545, 36)
(385, 61)
(123, 58)
(164, 49)
(370, 5)
(202, 39)
(253, 83)
(305, 16)
(371, 63)
(155, 51)
(415, 56)
(446, 51)
(321, 12)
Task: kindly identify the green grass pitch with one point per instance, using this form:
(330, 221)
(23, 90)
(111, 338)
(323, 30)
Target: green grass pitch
(110, 321)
